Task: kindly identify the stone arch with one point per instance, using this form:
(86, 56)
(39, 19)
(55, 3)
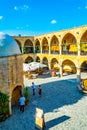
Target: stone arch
(83, 43)
(45, 61)
(69, 44)
(45, 46)
(28, 46)
(29, 59)
(54, 64)
(54, 45)
(37, 46)
(37, 59)
(16, 93)
(68, 66)
(19, 44)
(84, 66)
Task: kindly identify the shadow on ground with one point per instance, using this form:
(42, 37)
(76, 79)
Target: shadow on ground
(56, 121)
(57, 94)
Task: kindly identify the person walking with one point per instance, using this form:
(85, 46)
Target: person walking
(22, 103)
(40, 90)
(33, 88)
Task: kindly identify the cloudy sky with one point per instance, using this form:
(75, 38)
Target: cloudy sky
(35, 17)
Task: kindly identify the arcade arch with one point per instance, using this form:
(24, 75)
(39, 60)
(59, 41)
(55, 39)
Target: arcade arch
(68, 66)
(83, 44)
(37, 59)
(45, 61)
(54, 45)
(37, 47)
(29, 59)
(28, 47)
(16, 93)
(69, 44)
(84, 66)
(54, 64)
(45, 46)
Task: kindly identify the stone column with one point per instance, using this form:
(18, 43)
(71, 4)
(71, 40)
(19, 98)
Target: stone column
(79, 49)
(41, 48)
(49, 65)
(34, 52)
(10, 109)
(78, 74)
(61, 69)
(22, 49)
(60, 51)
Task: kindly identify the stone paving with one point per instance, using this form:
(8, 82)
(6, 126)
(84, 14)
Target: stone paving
(64, 107)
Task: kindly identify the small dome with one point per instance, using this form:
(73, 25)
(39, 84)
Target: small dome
(8, 46)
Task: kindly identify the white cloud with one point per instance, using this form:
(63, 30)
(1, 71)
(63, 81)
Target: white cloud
(24, 7)
(80, 8)
(1, 17)
(53, 21)
(86, 7)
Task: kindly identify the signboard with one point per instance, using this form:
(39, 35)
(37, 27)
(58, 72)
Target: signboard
(39, 121)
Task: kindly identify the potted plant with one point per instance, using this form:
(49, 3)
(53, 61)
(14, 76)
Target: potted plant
(4, 108)
(26, 95)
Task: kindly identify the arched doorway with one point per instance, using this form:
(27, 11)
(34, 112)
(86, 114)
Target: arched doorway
(37, 47)
(83, 44)
(84, 67)
(69, 67)
(29, 59)
(28, 47)
(45, 46)
(69, 44)
(37, 59)
(16, 95)
(54, 64)
(54, 45)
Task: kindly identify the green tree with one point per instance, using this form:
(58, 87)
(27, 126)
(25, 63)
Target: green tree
(4, 108)
(26, 94)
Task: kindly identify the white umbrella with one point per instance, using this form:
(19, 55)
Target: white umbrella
(33, 66)
(37, 65)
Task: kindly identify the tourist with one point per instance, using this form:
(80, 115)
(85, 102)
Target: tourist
(33, 88)
(40, 90)
(22, 103)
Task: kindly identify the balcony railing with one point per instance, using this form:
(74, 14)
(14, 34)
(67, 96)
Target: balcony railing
(69, 53)
(54, 52)
(45, 51)
(83, 53)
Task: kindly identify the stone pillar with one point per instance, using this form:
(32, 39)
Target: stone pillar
(60, 46)
(49, 65)
(79, 49)
(49, 49)
(34, 52)
(22, 49)
(10, 109)
(78, 74)
(61, 71)
(41, 48)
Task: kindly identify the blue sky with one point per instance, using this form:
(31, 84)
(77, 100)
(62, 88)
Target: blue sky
(35, 17)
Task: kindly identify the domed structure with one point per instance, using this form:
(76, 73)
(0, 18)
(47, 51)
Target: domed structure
(8, 46)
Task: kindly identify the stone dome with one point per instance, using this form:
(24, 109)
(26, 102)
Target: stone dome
(8, 46)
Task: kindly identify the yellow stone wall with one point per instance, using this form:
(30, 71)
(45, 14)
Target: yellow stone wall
(11, 73)
(71, 38)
